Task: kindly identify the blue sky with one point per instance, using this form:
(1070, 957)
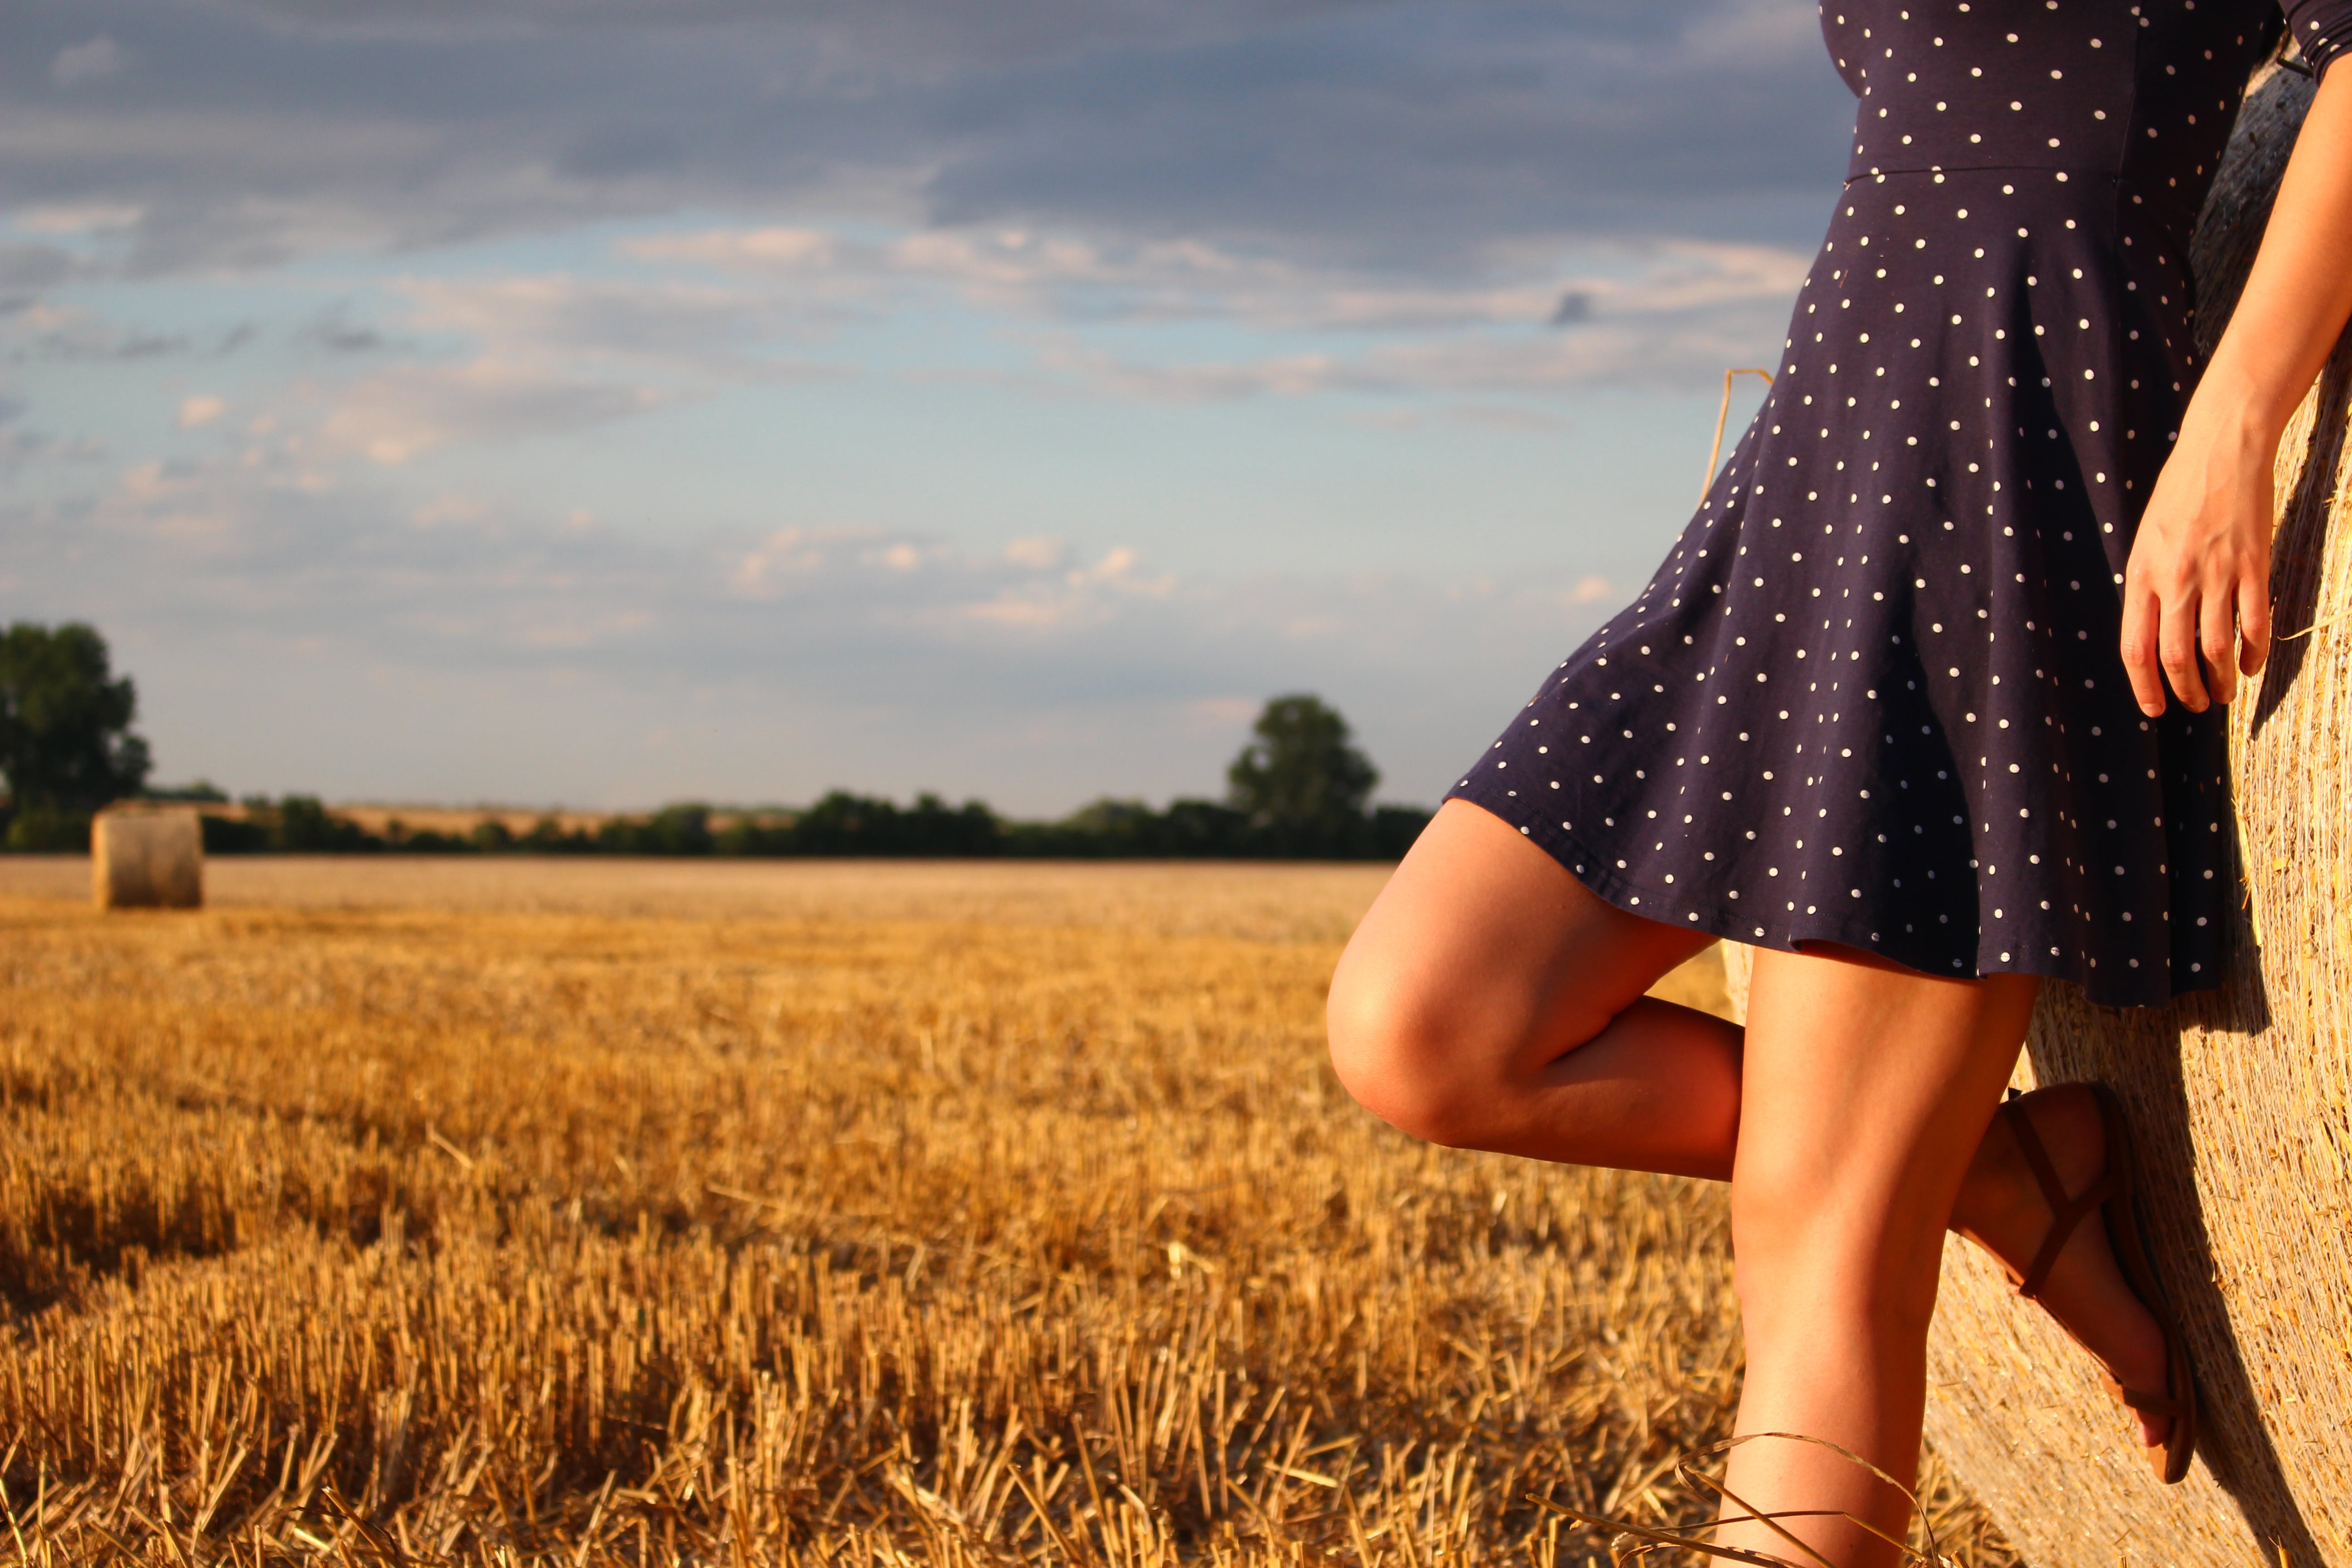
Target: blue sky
(604, 402)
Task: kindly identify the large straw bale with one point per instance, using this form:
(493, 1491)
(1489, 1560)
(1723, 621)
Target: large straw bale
(2239, 1098)
(147, 857)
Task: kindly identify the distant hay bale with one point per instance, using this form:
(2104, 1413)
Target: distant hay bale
(148, 858)
(2239, 1097)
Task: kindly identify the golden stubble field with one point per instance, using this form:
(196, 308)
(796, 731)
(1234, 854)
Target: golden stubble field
(523, 1212)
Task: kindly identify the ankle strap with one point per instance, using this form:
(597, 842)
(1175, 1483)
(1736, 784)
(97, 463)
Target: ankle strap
(2065, 1213)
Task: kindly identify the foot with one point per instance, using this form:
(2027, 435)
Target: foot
(2002, 1209)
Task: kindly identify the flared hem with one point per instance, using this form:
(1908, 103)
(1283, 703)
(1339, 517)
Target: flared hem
(1596, 868)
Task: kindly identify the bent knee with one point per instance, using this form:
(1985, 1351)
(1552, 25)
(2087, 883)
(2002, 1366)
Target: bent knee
(1410, 1059)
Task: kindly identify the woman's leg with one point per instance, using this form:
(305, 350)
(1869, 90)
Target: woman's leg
(1867, 1088)
(1489, 1000)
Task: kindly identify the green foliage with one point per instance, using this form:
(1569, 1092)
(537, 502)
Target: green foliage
(1299, 791)
(66, 746)
(42, 829)
(547, 837)
(234, 836)
(846, 823)
(203, 792)
(1302, 783)
(842, 825)
(673, 830)
(1128, 829)
(304, 826)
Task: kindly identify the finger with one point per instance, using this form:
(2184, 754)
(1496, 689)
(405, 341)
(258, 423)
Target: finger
(2254, 623)
(2217, 623)
(2137, 646)
(2176, 649)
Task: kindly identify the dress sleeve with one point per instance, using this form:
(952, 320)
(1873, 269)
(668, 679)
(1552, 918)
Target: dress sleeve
(2322, 30)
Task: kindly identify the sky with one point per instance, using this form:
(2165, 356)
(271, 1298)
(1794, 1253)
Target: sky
(612, 402)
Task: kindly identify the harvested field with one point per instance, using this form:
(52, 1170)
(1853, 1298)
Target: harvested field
(522, 1212)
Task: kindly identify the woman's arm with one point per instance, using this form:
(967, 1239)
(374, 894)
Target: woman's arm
(2199, 578)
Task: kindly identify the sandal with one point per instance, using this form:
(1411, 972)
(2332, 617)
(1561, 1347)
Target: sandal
(2113, 1194)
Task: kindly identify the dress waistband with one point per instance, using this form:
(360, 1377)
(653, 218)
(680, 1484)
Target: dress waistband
(2173, 210)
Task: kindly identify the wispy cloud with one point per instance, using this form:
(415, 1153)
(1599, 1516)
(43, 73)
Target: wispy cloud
(472, 583)
(1024, 272)
(510, 357)
(997, 396)
(402, 413)
(86, 61)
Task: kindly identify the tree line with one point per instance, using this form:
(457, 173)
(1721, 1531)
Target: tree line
(842, 824)
(1299, 789)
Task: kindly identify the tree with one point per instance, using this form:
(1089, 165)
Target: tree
(1301, 782)
(66, 746)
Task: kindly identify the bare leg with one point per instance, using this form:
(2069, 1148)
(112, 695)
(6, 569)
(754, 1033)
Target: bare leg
(1867, 1088)
(1490, 1001)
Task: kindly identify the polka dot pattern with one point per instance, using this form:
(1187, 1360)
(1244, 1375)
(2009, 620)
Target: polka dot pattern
(1872, 695)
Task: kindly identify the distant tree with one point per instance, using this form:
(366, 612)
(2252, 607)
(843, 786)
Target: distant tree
(1201, 827)
(305, 827)
(680, 829)
(203, 792)
(547, 837)
(846, 824)
(1301, 781)
(66, 746)
(1394, 828)
(234, 835)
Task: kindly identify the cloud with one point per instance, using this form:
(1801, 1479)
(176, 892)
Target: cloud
(82, 339)
(1065, 277)
(20, 449)
(76, 218)
(87, 61)
(1081, 596)
(191, 549)
(1410, 136)
(1656, 312)
(1041, 553)
(1662, 337)
(37, 332)
(521, 222)
(763, 571)
(331, 331)
(556, 316)
(399, 415)
(549, 353)
(1589, 591)
(32, 266)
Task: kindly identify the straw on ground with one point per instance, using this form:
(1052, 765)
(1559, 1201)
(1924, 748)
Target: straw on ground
(401, 1234)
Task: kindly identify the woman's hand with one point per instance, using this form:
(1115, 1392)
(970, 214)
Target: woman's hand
(2199, 580)
(2198, 584)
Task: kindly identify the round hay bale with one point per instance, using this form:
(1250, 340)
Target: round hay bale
(147, 857)
(2238, 1095)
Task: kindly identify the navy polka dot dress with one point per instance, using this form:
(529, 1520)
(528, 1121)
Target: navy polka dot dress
(1873, 697)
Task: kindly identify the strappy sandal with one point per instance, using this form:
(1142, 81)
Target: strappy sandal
(2115, 1196)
